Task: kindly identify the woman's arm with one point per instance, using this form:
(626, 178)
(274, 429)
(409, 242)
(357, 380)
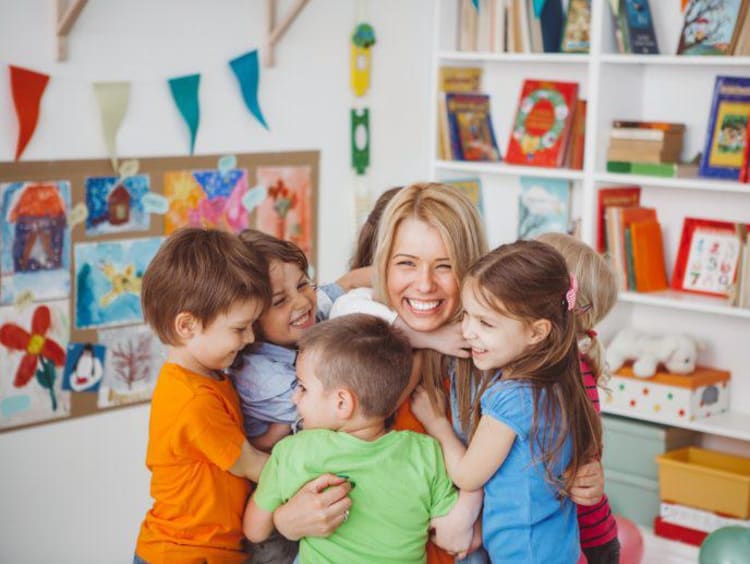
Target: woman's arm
(316, 510)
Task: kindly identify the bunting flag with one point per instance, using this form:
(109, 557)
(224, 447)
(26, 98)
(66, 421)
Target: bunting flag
(27, 88)
(185, 93)
(113, 102)
(247, 71)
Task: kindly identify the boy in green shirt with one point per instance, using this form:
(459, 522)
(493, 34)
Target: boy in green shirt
(351, 373)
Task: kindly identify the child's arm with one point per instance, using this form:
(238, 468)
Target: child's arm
(455, 530)
(250, 463)
(275, 432)
(357, 278)
(257, 524)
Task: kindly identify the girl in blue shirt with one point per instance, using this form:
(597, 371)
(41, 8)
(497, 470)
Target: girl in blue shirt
(536, 420)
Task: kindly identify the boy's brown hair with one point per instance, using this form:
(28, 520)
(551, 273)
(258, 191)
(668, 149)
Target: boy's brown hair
(273, 248)
(202, 272)
(365, 354)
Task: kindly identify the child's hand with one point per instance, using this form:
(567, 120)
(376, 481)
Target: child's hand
(447, 339)
(476, 541)
(588, 487)
(428, 414)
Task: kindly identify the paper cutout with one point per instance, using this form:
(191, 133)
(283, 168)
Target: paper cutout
(108, 281)
(113, 102)
(116, 206)
(363, 39)
(35, 253)
(78, 214)
(185, 93)
(155, 203)
(84, 367)
(247, 71)
(254, 197)
(360, 139)
(27, 87)
(226, 163)
(205, 198)
(287, 211)
(31, 341)
(128, 168)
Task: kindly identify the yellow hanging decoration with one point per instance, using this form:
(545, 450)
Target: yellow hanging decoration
(363, 39)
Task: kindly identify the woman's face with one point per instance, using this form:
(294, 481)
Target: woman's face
(420, 282)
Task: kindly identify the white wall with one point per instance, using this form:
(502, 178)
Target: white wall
(76, 491)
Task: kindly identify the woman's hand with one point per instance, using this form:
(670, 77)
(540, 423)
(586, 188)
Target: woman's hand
(588, 487)
(432, 416)
(316, 510)
(447, 339)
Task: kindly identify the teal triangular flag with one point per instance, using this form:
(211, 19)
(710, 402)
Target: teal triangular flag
(538, 6)
(185, 93)
(247, 71)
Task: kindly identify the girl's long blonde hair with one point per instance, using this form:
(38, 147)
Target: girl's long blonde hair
(455, 217)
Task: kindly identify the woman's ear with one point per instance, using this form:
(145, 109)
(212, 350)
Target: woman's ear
(346, 403)
(186, 325)
(540, 330)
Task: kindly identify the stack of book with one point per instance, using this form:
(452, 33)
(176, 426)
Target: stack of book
(648, 147)
(514, 26)
(632, 239)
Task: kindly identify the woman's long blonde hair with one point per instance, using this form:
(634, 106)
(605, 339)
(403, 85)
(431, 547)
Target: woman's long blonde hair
(457, 221)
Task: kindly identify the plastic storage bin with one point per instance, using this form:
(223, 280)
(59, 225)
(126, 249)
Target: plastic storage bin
(633, 497)
(707, 480)
(631, 446)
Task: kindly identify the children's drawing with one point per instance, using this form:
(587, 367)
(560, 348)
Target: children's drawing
(108, 281)
(134, 358)
(84, 367)
(115, 207)
(31, 361)
(35, 254)
(287, 210)
(206, 198)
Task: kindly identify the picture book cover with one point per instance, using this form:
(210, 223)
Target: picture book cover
(542, 124)
(472, 136)
(543, 207)
(707, 257)
(708, 27)
(460, 79)
(727, 128)
(622, 196)
(471, 187)
(641, 38)
(577, 24)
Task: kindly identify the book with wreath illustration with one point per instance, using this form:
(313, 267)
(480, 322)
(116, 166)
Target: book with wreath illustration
(472, 137)
(541, 128)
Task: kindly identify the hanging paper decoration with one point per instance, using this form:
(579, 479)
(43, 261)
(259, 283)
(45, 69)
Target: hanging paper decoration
(113, 102)
(185, 93)
(247, 71)
(363, 39)
(360, 139)
(27, 88)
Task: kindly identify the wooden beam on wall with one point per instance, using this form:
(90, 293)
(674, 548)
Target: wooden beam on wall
(274, 33)
(65, 19)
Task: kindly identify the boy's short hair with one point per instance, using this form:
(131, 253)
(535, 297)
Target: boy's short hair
(273, 248)
(202, 272)
(364, 353)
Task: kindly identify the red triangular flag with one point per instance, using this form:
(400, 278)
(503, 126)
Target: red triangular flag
(27, 87)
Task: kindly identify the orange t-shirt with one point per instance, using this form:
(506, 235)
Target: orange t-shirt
(195, 435)
(405, 421)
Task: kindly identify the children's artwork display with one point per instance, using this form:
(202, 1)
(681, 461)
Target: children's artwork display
(35, 241)
(115, 206)
(287, 210)
(108, 281)
(543, 207)
(76, 242)
(32, 357)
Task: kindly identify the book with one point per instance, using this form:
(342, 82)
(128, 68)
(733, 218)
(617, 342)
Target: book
(672, 127)
(649, 268)
(471, 187)
(727, 128)
(638, 27)
(741, 40)
(623, 196)
(535, 29)
(708, 27)
(541, 128)
(552, 18)
(577, 144)
(629, 267)
(627, 216)
(543, 206)
(644, 155)
(575, 38)
(453, 79)
(743, 298)
(472, 137)
(467, 26)
(666, 170)
(707, 257)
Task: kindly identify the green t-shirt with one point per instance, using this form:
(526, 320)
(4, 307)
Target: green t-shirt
(400, 484)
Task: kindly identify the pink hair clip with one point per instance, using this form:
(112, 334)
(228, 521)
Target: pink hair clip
(570, 296)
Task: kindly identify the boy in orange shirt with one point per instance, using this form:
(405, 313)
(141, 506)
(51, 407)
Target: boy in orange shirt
(201, 294)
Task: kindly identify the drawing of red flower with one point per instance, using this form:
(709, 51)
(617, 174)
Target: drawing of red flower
(37, 346)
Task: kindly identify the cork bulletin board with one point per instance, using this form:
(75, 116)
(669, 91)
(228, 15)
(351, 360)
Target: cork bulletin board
(76, 240)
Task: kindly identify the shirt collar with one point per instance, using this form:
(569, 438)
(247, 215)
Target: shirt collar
(277, 352)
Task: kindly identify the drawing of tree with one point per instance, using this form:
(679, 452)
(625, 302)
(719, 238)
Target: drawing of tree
(703, 20)
(131, 360)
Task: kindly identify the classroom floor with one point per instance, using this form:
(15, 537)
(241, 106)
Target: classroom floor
(657, 550)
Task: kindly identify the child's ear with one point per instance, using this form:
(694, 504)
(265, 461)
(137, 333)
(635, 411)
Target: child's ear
(346, 403)
(186, 325)
(540, 330)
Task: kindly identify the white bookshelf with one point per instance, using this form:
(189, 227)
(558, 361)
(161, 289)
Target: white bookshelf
(663, 87)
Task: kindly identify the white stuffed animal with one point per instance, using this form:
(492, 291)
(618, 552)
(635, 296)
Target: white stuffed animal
(677, 353)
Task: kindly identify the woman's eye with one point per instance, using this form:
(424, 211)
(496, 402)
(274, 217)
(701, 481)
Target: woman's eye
(444, 267)
(485, 324)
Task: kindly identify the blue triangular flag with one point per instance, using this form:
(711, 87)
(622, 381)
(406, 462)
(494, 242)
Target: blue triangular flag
(247, 71)
(185, 93)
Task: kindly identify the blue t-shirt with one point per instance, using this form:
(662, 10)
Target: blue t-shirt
(523, 520)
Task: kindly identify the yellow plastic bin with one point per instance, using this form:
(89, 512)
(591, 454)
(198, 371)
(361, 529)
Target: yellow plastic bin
(706, 479)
